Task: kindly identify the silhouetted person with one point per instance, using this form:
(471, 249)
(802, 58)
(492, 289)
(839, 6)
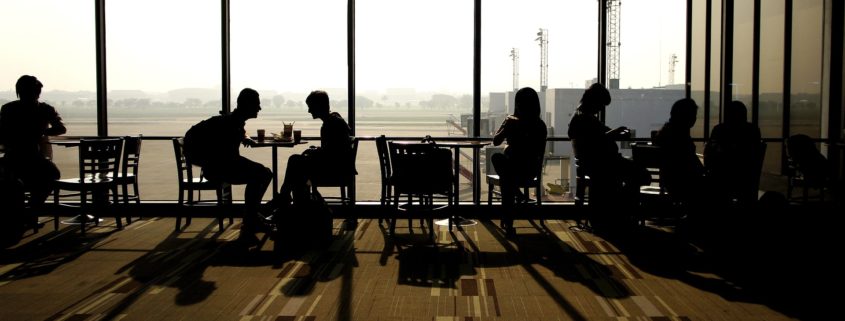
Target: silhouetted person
(614, 180)
(681, 172)
(332, 159)
(25, 125)
(224, 163)
(522, 160)
(732, 155)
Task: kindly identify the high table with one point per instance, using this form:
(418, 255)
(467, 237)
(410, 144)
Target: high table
(475, 145)
(275, 144)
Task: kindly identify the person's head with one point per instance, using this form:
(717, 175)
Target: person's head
(595, 98)
(248, 103)
(683, 113)
(736, 112)
(28, 88)
(527, 104)
(318, 103)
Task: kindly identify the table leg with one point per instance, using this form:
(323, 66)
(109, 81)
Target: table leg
(457, 192)
(275, 172)
(476, 177)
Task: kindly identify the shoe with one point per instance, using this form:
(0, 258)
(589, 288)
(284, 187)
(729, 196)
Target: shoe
(350, 224)
(510, 232)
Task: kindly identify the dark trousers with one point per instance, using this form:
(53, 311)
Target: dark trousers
(243, 171)
(37, 174)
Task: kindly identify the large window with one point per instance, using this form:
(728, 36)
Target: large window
(53, 40)
(771, 79)
(805, 98)
(715, 64)
(697, 61)
(743, 43)
(413, 67)
(164, 67)
(652, 60)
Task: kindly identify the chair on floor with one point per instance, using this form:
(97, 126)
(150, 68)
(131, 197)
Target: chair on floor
(806, 167)
(386, 172)
(346, 183)
(99, 162)
(421, 170)
(190, 183)
(128, 174)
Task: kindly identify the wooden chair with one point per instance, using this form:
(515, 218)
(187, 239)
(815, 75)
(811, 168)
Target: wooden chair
(99, 162)
(128, 174)
(190, 183)
(421, 170)
(346, 183)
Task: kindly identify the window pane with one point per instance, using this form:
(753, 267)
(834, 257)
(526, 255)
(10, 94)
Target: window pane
(653, 56)
(285, 50)
(59, 53)
(163, 65)
(715, 64)
(805, 97)
(413, 67)
(697, 79)
(163, 77)
(743, 52)
(771, 79)
(510, 28)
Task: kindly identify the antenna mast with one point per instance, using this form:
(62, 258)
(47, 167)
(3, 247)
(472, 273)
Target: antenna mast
(543, 38)
(613, 43)
(515, 56)
(673, 60)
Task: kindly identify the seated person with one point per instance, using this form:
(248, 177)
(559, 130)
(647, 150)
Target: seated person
(25, 125)
(613, 178)
(332, 159)
(681, 171)
(214, 145)
(522, 160)
(732, 155)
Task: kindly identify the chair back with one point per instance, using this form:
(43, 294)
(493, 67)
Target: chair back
(131, 155)
(184, 168)
(99, 158)
(421, 168)
(383, 159)
(648, 156)
(805, 157)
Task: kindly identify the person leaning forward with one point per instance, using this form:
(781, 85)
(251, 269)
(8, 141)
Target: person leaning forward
(214, 145)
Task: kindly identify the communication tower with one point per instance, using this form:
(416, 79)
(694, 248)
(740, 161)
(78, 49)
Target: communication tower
(613, 42)
(673, 60)
(543, 38)
(515, 56)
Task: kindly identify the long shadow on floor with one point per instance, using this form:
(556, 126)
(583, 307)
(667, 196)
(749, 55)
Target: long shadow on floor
(759, 258)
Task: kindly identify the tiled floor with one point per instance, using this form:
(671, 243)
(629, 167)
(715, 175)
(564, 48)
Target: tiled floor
(146, 272)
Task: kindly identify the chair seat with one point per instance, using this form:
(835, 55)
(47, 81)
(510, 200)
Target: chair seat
(97, 182)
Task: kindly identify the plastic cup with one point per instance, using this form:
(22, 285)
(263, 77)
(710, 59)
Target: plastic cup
(260, 134)
(297, 136)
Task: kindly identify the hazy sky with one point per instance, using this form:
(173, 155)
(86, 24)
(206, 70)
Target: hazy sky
(160, 45)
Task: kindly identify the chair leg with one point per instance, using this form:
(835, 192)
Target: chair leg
(83, 200)
(56, 215)
(181, 202)
(489, 194)
(219, 209)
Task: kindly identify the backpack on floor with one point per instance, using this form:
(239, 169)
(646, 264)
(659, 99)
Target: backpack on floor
(303, 225)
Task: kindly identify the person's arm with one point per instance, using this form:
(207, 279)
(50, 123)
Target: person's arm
(503, 131)
(57, 127)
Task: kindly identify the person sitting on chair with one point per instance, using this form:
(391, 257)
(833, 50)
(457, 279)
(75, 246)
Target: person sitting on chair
(525, 133)
(613, 178)
(214, 144)
(732, 155)
(25, 125)
(332, 159)
(681, 171)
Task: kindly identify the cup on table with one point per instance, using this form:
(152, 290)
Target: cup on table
(297, 136)
(287, 131)
(260, 134)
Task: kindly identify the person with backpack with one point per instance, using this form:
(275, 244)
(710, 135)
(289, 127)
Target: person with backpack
(214, 144)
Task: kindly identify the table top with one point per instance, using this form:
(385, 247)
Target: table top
(277, 143)
(465, 143)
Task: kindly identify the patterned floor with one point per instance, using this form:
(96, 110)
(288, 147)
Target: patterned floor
(548, 272)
